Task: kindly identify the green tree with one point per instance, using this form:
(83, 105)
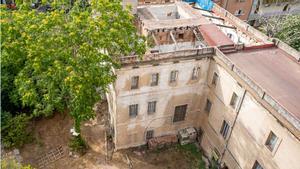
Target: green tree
(13, 164)
(285, 28)
(64, 58)
(290, 31)
(14, 130)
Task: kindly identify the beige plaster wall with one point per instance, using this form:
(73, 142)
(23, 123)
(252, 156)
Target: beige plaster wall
(250, 132)
(131, 131)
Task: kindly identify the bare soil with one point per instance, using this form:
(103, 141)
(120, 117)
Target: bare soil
(55, 131)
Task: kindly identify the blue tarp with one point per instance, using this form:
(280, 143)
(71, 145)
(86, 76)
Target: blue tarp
(204, 4)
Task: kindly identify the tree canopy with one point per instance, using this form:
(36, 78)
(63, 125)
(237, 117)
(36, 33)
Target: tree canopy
(290, 31)
(62, 59)
(285, 28)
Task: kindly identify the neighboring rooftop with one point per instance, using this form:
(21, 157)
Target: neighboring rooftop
(178, 14)
(276, 72)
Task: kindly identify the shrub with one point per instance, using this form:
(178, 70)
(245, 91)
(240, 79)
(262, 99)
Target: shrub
(12, 164)
(14, 130)
(194, 154)
(77, 144)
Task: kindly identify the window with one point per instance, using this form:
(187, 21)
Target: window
(215, 78)
(133, 110)
(195, 73)
(180, 36)
(208, 106)
(257, 166)
(151, 107)
(134, 82)
(180, 112)
(229, 35)
(154, 79)
(234, 99)
(149, 134)
(224, 129)
(271, 141)
(173, 76)
(239, 12)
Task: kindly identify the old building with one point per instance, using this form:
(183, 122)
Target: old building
(252, 10)
(211, 71)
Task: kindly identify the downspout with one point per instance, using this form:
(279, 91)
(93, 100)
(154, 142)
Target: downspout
(234, 122)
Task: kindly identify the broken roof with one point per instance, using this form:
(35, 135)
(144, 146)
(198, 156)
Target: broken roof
(213, 36)
(169, 16)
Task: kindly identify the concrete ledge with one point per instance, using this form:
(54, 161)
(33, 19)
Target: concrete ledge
(291, 51)
(180, 54)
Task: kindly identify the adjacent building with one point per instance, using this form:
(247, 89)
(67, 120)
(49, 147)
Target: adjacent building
(214, 72)
(252, 10)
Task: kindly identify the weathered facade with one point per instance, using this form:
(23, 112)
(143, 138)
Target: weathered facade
(252, 10)
(242, 92)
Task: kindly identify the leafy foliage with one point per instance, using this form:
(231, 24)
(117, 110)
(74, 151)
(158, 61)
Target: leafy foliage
(12, 164)
(290, 32)
(194, 154)
(285, 28)
(62, 59)
(78, 145)
(13, 130)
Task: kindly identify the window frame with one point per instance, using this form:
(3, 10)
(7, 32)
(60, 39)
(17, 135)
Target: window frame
(150, 107)
(271, 145)
(154, 83)
(225, 128)
(180, 113)
(133, 110)
(151, 134)
(195, 72)
(234, 100)
(136, 84)
(171, 80)
(257, 165)
(208, 106)
(215, 78)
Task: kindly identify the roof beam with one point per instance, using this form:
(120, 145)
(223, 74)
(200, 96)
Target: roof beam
(214, 17)
(154, 38)
(173, 38)
(225, 26)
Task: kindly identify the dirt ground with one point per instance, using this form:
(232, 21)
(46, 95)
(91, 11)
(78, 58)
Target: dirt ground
(55, 131)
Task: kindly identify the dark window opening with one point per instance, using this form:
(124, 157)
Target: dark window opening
(180, 36)
(257, 166)
(151, 107)
(208, 105)
(180, 112)
(134, 82)
(271, 141)
(234, 99)
(215, 78)
(133, 110)
(149, 134)
(224, 129)
(154, 79)
(173, 76)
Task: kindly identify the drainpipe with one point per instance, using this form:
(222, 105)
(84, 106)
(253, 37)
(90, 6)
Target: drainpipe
(234, 122)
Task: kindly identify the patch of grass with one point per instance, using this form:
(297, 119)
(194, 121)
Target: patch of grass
(193, 154)
(77, 144)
